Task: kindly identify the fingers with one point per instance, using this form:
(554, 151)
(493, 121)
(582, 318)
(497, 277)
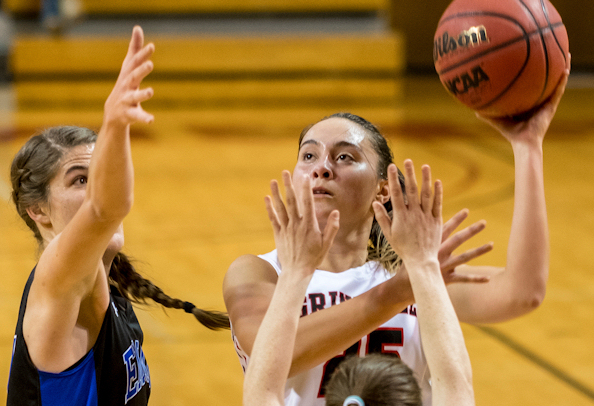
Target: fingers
(135, 77)
(458, 278)
(560, 89)
(140, 96)
(330, 230)
(382, 217)
(136, 41)
(278, 205)
(307, 204)
(453, 262)
(453, 223)
(411, 184)
(453, 242)
(272, 216)
(395, 189)
(426, 195)
(292, 204)
(437, 199)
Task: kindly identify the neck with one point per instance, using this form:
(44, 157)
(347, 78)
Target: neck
(349, 250)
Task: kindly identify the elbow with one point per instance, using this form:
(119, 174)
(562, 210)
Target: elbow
(530, 299)
(113, 211)
(535, 300)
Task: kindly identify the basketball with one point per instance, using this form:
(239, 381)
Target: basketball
(500, 58)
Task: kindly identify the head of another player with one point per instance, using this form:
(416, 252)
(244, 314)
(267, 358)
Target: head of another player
(377, 380)
(48, 176)
(347, 158)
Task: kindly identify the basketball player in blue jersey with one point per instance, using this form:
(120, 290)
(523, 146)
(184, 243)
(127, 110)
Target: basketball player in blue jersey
(77, 339)
(415, 234)
(353, 305)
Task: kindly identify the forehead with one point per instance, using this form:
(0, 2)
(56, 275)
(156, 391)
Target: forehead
(79, 155)
(337, 130)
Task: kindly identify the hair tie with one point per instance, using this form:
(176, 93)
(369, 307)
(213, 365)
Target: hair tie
(353, 400)
(188, 307)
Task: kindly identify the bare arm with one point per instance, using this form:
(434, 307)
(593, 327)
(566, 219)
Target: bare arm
(70, 271)
(250, 282)
(414, 233)
(302, 246)
(248, 289)
(521, 286)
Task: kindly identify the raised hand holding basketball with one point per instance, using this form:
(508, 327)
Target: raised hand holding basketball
(500, 58)
(533, 125)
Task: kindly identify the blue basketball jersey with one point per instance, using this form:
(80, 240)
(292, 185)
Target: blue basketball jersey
(114, 372)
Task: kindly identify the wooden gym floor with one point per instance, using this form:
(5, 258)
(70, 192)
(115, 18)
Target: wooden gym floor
(202, 173)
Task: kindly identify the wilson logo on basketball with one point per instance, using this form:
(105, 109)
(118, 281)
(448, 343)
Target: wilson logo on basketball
(467, 81)
(446, 44)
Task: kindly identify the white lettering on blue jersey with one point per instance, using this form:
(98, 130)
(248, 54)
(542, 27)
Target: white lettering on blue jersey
(136, 370)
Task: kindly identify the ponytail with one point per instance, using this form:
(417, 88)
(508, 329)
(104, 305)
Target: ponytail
(137, 289)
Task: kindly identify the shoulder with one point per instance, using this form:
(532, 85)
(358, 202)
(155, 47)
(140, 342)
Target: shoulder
(249, 269)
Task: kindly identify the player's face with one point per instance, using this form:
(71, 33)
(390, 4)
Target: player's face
(68, 189)
(339, 159)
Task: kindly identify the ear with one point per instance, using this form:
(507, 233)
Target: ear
(39, 214)
(383, 193)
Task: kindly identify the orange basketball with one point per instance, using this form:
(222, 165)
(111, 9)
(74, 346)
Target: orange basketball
(503, 57)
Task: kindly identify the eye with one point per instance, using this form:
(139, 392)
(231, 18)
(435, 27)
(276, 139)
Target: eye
(306, 156)
(80, 180)
(344, 157)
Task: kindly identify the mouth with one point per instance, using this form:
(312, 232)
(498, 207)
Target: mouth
(320, 191)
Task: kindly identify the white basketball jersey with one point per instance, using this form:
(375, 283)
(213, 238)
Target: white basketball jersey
(399, 335)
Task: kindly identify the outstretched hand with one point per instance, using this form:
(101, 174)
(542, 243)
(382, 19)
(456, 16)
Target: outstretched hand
(448, 242)
(533, 124)
(123, 104)
(414, 232)
(300, 243)
(448, 261)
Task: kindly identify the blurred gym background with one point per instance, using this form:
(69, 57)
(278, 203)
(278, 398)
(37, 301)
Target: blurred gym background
(235, 81)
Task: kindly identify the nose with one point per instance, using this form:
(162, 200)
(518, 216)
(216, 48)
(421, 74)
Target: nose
(323, 169)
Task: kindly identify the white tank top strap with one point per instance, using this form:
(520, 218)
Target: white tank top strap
(272, 258)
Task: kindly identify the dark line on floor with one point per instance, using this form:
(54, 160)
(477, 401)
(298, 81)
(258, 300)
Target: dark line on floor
(534, 358)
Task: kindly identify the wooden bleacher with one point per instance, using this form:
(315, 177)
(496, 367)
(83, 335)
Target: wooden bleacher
(209, 6)
(339, 70)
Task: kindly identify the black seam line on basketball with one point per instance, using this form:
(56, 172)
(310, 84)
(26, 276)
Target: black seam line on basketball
(481, 13)
(534, 358)
(490, 50)
(500, 95)
(546, 14)
(538, 100)
(489, 14)
(486, 52)
(544, 48)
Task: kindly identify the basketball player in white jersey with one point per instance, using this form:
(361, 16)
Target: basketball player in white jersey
(346, 160)
(415, 233)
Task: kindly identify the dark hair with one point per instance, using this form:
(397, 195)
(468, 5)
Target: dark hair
(378, 379)
(378, 248)
(31, 172)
